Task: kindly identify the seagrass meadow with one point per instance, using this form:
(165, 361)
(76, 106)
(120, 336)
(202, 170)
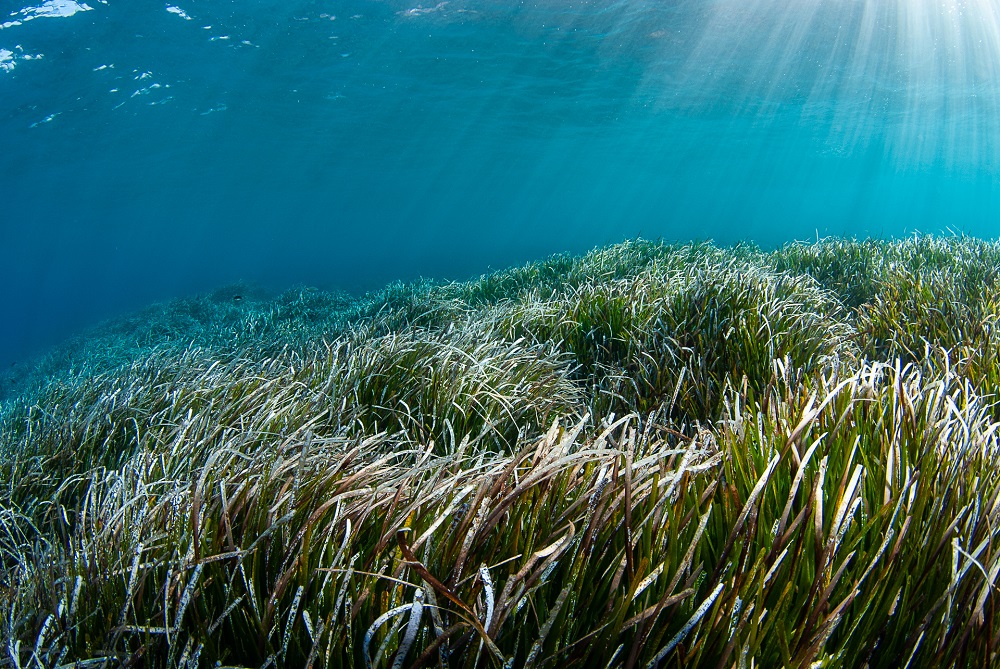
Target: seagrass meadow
(652, 455)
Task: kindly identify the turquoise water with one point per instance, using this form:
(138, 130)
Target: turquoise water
(151, 149)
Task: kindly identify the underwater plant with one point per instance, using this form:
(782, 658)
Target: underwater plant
(652, 455)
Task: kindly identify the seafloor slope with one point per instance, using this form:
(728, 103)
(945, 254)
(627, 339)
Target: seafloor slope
(652, 455)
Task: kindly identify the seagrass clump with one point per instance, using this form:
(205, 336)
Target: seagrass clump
(846, 520)
(649, 456)
(676, 338)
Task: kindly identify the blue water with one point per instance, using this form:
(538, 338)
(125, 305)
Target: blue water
(151, 150)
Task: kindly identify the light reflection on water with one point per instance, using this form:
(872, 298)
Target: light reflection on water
(352, 143)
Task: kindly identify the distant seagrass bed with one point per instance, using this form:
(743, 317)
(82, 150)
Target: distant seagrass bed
(653, 455)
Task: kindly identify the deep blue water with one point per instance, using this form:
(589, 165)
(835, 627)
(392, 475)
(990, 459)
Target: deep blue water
(151, 150)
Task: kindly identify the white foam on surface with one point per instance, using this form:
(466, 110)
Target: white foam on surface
(47, 119)
(420, 10)
(7, 60)
(49, 9)
(173, 9)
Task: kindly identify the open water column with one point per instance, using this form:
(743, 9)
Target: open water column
(377, 333)
(150, 151)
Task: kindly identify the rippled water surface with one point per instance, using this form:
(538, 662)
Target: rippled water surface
(151, 149)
